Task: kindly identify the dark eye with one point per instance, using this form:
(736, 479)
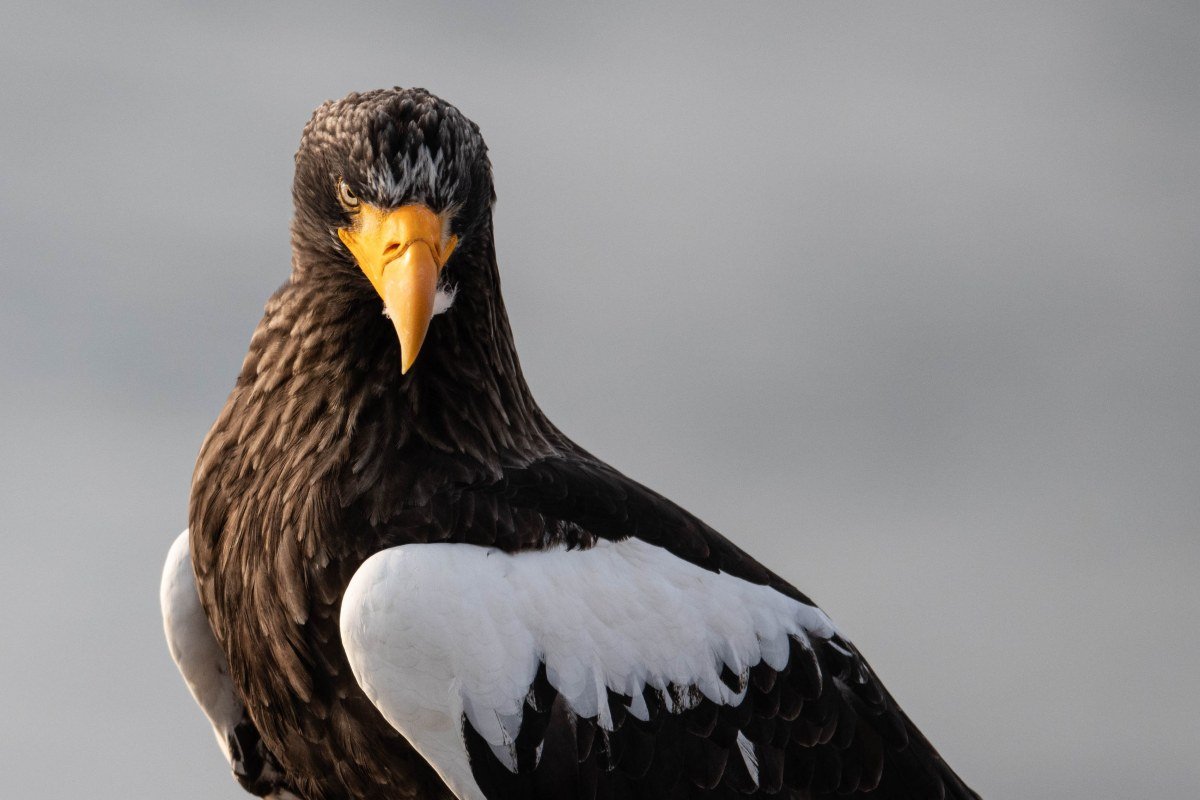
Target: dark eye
(348, 198)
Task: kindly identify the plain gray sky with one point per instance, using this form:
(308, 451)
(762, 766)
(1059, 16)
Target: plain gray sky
(904, 298)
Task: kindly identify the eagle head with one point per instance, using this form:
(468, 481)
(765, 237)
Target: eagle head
(392, 187)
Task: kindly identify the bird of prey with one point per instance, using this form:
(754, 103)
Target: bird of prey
(401, 581)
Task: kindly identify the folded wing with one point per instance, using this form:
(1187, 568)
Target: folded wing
(619, 670)
(202, 664)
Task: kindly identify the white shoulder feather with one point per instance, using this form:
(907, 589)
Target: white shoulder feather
(436, 632)
(193, 646)
(202, 664)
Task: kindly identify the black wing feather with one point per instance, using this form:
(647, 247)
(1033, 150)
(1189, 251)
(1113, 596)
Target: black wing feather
(822, 726)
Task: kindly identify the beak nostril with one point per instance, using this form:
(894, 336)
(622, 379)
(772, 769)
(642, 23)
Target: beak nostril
(392, 249)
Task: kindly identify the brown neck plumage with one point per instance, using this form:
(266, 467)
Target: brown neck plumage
(321, 417)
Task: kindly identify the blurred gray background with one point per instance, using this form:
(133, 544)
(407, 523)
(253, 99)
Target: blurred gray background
(905, 298)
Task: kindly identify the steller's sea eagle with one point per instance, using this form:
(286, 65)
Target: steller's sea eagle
(400, 580)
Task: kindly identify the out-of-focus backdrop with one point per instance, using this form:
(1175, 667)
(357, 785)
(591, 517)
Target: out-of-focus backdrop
(904, 298)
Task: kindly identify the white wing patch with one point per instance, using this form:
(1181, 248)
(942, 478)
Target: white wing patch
(435, 631)
(193, 646)
(198, 656)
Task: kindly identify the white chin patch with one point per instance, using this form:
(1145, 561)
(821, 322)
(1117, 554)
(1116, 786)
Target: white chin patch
(441, 301)
(444, 298)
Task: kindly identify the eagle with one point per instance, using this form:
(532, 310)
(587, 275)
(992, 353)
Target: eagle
(400, 580)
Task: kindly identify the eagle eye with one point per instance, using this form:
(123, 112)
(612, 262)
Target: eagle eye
(346, 196)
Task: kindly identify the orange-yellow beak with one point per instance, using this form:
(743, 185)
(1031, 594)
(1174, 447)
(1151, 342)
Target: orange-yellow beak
(402, 253)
